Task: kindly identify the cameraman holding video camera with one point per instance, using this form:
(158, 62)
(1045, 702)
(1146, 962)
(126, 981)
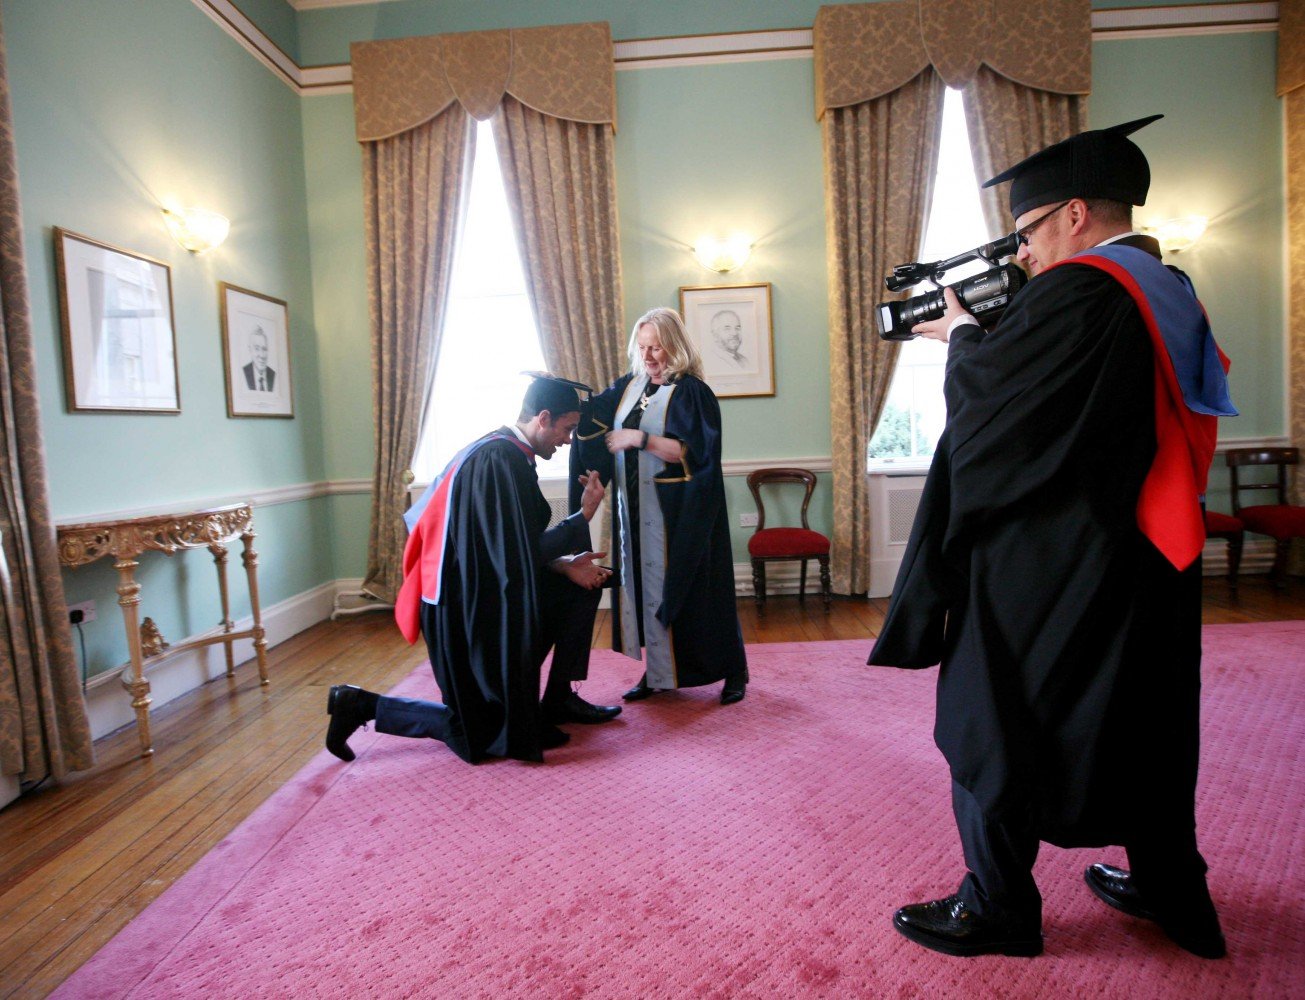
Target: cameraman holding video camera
(1054, 565)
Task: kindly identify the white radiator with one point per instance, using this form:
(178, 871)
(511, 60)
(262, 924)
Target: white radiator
(894, 497)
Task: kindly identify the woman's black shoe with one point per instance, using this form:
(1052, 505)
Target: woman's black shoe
(640, 691)
(733, 692)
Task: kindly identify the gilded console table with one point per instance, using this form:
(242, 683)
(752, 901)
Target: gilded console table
(80, 544)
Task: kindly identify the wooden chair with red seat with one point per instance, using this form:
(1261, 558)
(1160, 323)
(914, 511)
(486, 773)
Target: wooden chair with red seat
(786, 544)
(1233, 531)
(1281, 521)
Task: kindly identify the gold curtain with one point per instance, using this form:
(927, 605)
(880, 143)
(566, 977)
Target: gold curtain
(43, 725)
(1291, 88)
(1008, 121)
(880, 73)
(552, 93)
(414, 186)
(561, 186)
(880, 160)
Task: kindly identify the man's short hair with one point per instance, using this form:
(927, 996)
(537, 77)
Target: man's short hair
(555, 396)
(1115, 213)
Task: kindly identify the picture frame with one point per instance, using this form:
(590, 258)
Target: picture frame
(732, 328)
(256, 353)
(119, 330)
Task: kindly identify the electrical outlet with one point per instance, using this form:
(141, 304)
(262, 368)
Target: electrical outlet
(87, 608)
(747, 520)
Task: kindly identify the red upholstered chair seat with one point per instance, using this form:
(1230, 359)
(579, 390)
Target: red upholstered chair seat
(1279, 521)
(771, 543)
(1217, 523)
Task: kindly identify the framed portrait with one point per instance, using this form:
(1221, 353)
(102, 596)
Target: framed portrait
(256, 353)
(731, 326)
(119, 336)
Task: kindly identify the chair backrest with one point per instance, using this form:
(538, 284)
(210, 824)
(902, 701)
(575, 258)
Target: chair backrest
(1239, 458)
(762, 477)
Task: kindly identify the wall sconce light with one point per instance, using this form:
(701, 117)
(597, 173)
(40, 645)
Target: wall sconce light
(722, 255)
(1177, 235)
(196, 229)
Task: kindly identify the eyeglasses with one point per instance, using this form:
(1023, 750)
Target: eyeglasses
(1022, 235)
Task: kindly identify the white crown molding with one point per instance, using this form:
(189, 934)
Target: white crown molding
(747, 46)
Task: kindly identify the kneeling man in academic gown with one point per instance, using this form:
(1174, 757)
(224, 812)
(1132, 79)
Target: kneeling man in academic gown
(1054, 566)
(492, 588)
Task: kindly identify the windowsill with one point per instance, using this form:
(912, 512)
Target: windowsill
(898, 466)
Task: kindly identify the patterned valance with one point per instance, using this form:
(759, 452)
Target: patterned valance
(866, 50)
(565, 71)
(1291, 47)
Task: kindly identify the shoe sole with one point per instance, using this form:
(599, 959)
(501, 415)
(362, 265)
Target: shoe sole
(566, 720)
(1026, 948)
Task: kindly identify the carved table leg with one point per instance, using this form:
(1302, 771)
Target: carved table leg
(129, 601)
(220, 560)
(250, 559)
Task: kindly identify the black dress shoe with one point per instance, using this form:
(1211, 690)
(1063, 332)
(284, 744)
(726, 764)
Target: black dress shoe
(350, 708)
(1193, 926)
(640, 691)
(573, 708)
(733, 692)
(550, 737)
(951, 927)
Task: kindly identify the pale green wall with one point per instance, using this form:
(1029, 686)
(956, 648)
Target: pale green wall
(107, 127)
(119, 107)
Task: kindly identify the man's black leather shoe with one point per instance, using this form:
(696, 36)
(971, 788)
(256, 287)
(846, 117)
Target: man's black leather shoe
(550, 737)
(640, 691)
(346, 705)
(1194, 926)
(951, 927)
(573, 708)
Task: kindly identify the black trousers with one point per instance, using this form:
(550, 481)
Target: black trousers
(567, 613)
(1164, 862)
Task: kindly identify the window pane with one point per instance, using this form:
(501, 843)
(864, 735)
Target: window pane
(915, 412)
(489, 331)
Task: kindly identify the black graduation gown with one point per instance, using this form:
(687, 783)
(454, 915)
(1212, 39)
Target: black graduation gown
(1070, 647)
(485, 637)
(699, 604)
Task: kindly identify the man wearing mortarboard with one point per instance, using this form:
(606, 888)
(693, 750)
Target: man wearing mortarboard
(1054, 566)
(492, 587)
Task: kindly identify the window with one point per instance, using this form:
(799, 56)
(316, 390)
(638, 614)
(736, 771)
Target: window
(489, 332)
(915, 412)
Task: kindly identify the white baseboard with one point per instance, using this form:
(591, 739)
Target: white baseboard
(108, 702)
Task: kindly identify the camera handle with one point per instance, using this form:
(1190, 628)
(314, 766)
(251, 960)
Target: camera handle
(905, 275)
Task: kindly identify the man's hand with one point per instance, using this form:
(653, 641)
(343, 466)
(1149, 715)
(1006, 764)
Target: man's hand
(583, 570)
(936, 329)
(623, 439)
(593, 494)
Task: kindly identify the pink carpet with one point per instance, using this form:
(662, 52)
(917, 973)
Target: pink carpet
(692, 851)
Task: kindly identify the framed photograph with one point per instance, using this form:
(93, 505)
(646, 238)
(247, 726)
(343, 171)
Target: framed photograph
(256, 353)
(119, 336)
(732, 328)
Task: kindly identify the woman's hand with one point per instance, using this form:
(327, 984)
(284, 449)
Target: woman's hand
(623, 440)
(593, 493)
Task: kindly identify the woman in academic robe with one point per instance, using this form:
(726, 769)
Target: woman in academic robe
(656, 434)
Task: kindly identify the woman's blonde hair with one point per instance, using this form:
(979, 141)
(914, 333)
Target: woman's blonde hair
(682, 358)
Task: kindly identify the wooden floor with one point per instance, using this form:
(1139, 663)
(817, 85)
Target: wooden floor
(82, 858)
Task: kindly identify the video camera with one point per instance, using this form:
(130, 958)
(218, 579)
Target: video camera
(985, 295)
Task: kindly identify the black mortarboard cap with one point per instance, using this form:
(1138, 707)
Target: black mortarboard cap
(555, 394)
(1101, 163)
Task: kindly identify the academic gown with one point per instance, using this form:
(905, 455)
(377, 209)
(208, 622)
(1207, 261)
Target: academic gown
(699, 607)
(484, 635)
(1070, 649)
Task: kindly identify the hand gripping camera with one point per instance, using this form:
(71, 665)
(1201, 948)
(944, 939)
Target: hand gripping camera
(985, 295)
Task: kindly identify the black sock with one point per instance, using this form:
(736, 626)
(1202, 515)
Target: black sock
(367, 703)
